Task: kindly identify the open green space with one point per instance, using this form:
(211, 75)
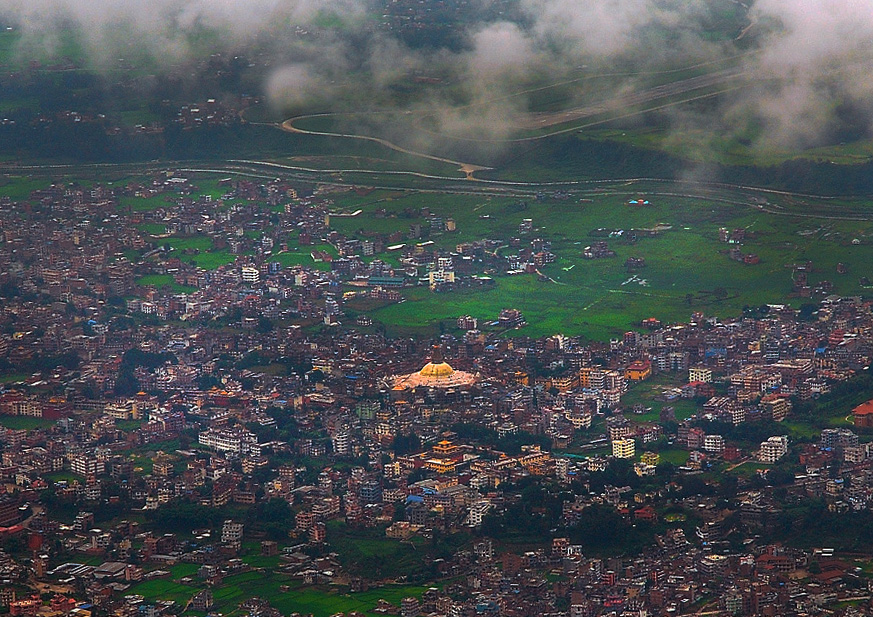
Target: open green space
(369, 553)
(298, 255)
(24, 422)
(675, 456)
(198, 250)
(152, 228)
(164, 589)
(211, 260)
(646, 392)
(63, 476)
(145, 204)
(13, 377)
(600, 298)
(20, 187)
(196, 243)
(163, 280)
(750, 468)
(320, 601)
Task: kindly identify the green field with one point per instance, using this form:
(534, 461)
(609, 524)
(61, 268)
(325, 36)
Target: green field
(162, 280)
(198, 250)
(687, 267)
(63, 476)
(24, 422)
(321, 601)
(211, 260)
(297, 255)
(152, 228)
(13, 377)
(20, 187)
(145, 204)
(750, 468)
(673, 455)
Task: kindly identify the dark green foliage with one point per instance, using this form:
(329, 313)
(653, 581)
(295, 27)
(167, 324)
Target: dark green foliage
(406, 444)
(511, 444)
(183, 517)
(839, 402)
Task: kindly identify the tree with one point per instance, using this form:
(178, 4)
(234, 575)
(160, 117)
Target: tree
(126, 384)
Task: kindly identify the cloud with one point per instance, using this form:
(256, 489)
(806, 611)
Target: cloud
(598, 28)
(810, 59)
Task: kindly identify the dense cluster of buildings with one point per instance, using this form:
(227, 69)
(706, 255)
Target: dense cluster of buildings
(157, 376)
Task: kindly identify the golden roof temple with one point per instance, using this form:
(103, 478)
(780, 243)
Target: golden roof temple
(435, 374)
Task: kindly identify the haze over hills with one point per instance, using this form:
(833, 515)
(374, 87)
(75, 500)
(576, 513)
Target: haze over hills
(471, 77)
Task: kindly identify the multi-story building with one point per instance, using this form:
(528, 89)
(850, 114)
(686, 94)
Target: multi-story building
(236, 440)
(773, 449)
(231, 532)
(623, 448)
(700, 374)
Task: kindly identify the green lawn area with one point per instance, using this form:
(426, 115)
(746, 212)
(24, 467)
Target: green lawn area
(211, 260)
(184, 569)
(673, 455)
(801, 430)
(13, 377)
(152, 228)
(184, 243)
(644, 393)
(143, 464)
(24, 422)
(300, 257)
(164, 589)
(20, 187)
(61, 476)
(144, 204)
(198, 250)
(162, 280)
(599, 298)
(140, 115)
(321, 601)
(128, 425)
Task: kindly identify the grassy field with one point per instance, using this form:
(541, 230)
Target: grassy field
(152, 228)
(63, 476)
(145, 204)
(320, 601)
(674, 456)
(24, 422)
(13, 377)
(20, 187)
(211, 260)
(685, 262)
(161, 280)
(644, 393)
(198, 250)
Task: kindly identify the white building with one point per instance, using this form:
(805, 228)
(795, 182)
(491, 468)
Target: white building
(773, 449)
(250, 275)
(713, 443)
(85, 465)
(477, 512)
(231, 533)
(236, 440)
(341, 443)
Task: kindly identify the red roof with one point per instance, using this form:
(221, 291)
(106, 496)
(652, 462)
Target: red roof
(864, 409)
